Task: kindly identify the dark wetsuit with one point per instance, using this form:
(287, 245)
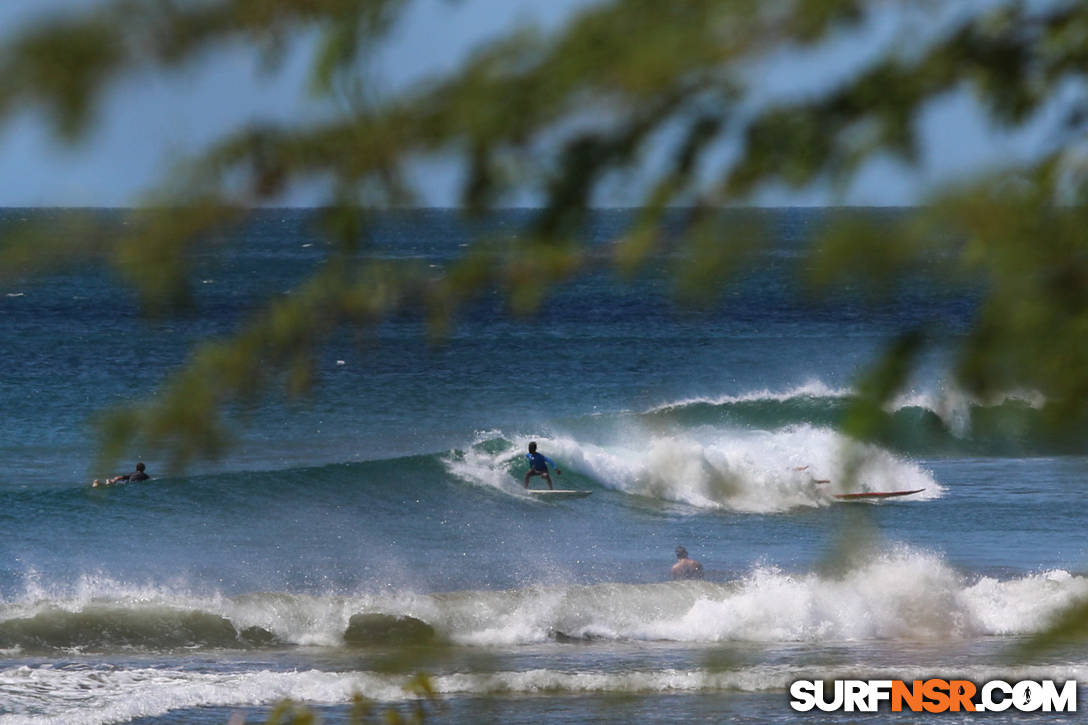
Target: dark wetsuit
(134, 476)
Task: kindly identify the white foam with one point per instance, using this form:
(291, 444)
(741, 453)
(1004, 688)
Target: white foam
(98, 695)
(753, 471)
(897, 595)
(715, 468)
(808, 389)
(482, 467)
(95, 695)
(759, 678)
(901, 594)
(301, 619)
(1023, 605)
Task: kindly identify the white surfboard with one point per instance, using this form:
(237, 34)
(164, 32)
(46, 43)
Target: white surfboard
(558, 493)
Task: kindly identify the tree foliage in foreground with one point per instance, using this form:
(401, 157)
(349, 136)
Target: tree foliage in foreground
(563, 115)
(363, 711)
(559, 116)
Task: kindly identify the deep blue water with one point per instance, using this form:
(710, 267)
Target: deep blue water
(395, 489)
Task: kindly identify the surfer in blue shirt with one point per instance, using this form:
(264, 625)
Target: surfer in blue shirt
(538, 466)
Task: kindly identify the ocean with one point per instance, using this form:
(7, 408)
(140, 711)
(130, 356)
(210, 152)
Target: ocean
(394, 490)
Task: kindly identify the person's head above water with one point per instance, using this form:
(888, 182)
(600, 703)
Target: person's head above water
(140, 466)
(532, 446)
(681, 552)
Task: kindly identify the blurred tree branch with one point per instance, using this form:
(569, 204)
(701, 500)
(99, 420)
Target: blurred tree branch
(555, 115)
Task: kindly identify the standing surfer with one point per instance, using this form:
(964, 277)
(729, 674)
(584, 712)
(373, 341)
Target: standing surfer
(538, 466)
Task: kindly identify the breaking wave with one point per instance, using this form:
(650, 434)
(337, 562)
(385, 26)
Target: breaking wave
(92, 695)
(710, 468)
(900, 594)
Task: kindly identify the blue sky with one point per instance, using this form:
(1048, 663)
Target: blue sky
(151, 121)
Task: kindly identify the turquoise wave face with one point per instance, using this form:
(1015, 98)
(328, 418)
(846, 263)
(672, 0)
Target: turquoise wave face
(923, 425)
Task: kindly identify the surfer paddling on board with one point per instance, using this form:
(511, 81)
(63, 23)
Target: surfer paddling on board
(686, 567)
(538, 466)
(140, 474)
